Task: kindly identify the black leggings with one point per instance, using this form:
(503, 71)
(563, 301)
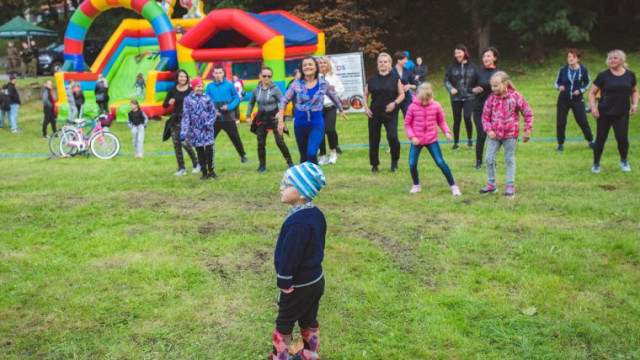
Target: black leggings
(301, 305)
(620, 126)
(390, 122)
(330, 117)
(458, 107)
(481, 135)
(232, 130)
(262, 133)
(577, 106)
(205, 158)
(49, 118)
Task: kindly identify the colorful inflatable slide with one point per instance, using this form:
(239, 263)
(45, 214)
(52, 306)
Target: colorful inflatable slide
(242, 42)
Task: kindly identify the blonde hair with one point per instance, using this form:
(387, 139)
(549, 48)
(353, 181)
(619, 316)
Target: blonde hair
(329, 65)
(619, 54)
(425, 93)
(386, 56)
(503, 78)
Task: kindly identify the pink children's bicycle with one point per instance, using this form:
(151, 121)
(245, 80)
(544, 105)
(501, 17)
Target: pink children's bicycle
(102, 144)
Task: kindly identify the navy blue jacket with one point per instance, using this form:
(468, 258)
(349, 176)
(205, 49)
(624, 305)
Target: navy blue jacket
(580, 81)
(300, 249)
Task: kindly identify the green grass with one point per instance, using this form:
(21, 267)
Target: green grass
(120, 259)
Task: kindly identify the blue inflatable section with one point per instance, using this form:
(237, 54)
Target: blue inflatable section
(77, 61)
(294, 34)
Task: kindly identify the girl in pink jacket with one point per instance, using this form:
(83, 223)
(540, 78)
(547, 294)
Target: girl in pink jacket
(421, 124)
(501, 123)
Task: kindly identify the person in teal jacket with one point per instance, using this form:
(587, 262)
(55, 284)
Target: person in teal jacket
(226, 99)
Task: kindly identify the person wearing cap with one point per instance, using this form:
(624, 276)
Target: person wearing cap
(198, 119)
(298, 262)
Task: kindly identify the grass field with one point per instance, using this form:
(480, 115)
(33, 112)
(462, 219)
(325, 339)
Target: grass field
(120, 259)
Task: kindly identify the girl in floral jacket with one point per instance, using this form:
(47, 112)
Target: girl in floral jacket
(198, 117)
(500, 122)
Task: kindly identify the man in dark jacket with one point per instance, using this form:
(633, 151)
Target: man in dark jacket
(48, 103)
(5, 105)
(36, 53)
(14, 99)
(27, 60)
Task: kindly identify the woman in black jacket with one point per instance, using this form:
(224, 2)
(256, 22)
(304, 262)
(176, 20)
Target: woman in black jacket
(175, 97)
(102, 94)
(459, 80)
(482, 90)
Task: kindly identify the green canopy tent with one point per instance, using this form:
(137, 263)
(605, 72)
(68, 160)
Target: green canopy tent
(19, 27)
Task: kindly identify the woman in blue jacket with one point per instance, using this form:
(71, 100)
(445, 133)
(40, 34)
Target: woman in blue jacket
(572, 81)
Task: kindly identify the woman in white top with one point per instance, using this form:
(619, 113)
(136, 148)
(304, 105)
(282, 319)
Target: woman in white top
(330, 112)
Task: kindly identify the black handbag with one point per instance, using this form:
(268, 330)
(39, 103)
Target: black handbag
(166, 134)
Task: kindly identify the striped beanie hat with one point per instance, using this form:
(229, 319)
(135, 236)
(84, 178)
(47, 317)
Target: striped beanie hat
(307, 178)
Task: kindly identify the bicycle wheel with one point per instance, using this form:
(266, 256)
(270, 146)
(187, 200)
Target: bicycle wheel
(106, 146)
(68, 143)
(54, 142)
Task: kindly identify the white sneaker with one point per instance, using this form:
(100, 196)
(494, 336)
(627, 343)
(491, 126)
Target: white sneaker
(455, 190)
(624, 165)
(180, 172)
(333, 158)
(322, 160)
(415, 189)
(196, 170)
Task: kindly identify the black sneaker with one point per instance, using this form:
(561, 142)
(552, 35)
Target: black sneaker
(374, 169)
(213, 175)
(204, 177)
(470, 144)
(261, 169)
(455, 147)
(244, 159)
(394, 165)
(338, 150)
(560, 147)
(592, 145)
(478, 165)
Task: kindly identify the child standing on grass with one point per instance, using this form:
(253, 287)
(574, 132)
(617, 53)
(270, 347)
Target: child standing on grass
(298, 262)
(138, 121)
(500, 122)
(421, 124)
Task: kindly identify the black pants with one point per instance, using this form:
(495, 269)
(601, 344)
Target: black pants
(205, 158)
(462, 109)
(577, 106)
(103, 106)
(330, 116)
(49, 118)
(620, 126)
(262, 133)
(231, 129)
(176, 126)
(390, 122)
(481, 136)
(301, 305)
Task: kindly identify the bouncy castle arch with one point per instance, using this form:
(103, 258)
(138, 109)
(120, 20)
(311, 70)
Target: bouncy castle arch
(87, 11)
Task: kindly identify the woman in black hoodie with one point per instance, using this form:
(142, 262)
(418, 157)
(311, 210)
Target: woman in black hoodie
(482, 90)
(459, 81)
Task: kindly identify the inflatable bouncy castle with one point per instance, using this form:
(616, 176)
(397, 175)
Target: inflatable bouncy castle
(158, 45)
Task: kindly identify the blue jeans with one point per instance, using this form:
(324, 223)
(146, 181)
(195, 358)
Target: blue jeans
(13, 116)
(309, 135)
(436, 154)
(4, 114)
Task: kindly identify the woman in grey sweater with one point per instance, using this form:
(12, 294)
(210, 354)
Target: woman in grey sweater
(268, 96)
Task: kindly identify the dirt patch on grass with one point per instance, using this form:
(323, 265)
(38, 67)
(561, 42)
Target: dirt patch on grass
(608, 187)
(256, 261)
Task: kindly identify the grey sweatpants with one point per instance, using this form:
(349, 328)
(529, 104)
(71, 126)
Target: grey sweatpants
(509, 159)
(137, 131)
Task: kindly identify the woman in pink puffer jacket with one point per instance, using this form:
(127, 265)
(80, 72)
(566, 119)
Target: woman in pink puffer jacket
(421, 124)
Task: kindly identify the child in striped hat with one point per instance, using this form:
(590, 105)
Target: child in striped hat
(298, 262)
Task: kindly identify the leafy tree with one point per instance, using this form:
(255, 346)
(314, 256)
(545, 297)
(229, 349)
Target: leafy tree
(534, 20)
(350, 25)
(11, 8)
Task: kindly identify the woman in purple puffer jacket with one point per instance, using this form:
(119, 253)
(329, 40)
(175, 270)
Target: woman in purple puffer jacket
(424, 116)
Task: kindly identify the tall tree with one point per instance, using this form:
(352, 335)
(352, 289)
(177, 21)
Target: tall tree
(351, 25)
(482, 13)
(534, 20)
